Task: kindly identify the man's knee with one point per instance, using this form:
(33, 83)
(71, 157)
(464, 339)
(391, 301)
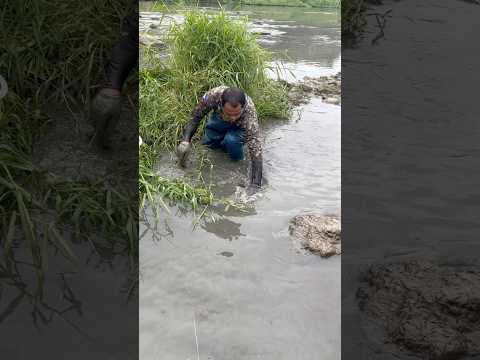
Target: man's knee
(211, 141)
(233, 144)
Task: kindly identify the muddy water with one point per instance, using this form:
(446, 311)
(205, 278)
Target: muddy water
(237, 287)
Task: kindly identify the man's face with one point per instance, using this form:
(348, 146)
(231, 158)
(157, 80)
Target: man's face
(231, 112)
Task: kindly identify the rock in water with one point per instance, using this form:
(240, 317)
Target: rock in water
(318, 234)
(429, 310)
(327, 87)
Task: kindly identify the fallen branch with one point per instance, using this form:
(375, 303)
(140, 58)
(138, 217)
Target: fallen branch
(381, 23)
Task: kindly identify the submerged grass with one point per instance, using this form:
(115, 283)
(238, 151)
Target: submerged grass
(206, 51)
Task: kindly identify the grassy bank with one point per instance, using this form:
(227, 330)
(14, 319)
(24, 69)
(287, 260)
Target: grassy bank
(206, 51)
(54, 51)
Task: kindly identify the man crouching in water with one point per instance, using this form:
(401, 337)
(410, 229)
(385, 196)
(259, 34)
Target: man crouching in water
(233, 122)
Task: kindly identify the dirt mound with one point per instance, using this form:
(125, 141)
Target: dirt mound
(430, 310)
(318, 234)
(326, 87)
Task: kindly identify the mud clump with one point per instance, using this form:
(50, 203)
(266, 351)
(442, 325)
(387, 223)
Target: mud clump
(317, 234)
(153, 41)
(326, 87)
(429, 310)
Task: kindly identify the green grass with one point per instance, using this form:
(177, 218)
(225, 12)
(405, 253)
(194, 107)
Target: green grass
(49, 47)
(206, 51)
(26, 191)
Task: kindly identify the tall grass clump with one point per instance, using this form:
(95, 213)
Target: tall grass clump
(206, 51)
(57, 49)
(216, 50)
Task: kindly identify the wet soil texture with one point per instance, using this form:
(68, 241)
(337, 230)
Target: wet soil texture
(318, 234)
(428, 310)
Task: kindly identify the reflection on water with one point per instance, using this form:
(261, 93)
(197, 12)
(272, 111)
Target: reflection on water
(224, 228)
(64, 319)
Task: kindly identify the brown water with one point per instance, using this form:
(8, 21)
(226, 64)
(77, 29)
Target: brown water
(238, 287)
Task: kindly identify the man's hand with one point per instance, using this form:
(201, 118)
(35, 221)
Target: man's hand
(252, 189)
(104, 114)
(183, 150)
(255, 176)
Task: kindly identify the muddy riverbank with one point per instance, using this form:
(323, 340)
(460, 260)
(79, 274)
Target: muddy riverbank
(423, 308)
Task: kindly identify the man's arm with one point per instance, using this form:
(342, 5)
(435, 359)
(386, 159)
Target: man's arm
(198, 113)
(254, 144)
(208, 102)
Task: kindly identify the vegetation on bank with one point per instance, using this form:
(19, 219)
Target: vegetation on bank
(206, 51)
(54, 52)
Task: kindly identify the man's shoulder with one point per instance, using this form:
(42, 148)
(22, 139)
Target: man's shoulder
(215, 92)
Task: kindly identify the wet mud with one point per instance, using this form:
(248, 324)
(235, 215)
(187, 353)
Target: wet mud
(66, 150)
(317, 234)
(423, 308)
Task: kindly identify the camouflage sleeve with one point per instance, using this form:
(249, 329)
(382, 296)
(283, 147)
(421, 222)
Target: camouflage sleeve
(208, 102)
(252, 132)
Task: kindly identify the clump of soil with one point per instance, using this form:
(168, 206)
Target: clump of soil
(318, 234)
(151, 40)
(326, 87)
(430, 310)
